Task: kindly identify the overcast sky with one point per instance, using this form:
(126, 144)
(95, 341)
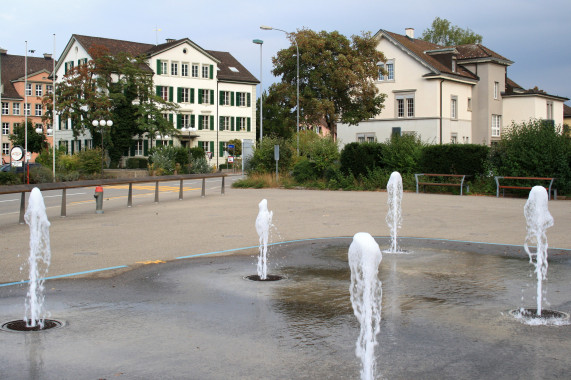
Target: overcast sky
(535, 34)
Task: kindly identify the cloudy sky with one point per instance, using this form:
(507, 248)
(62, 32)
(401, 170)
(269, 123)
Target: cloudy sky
(535, 34)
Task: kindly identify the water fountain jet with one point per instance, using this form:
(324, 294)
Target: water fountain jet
(394, 213)
(263, 226)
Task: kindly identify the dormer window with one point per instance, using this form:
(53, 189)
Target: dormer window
(453, 65)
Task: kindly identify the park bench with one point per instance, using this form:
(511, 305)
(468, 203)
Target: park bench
(534, 180)
(455, 180)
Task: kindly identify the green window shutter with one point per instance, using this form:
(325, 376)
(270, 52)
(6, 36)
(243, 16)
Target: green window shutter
(178, 94)
(249, 125)
(211, 96)
(79, 145)
(145, 147)
(192, 95)
(192, 121)
(170, 142)
(231, 123)
(232, 98)
(220, 122)
(159, 67)
(220, 98)
(159, 88)
(200, 122)
(200, 96)
(171, 118)
(211, 122)
(179, 121)
(72, 147)
(133, 143)
(221, 149)
(171, 97)
(211, 71)
(249, 101)
(65, 68)
(212, 146)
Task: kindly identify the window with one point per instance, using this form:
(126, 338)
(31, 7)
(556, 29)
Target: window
(389, 68)
(243, 99)
(366, 137)
(241, 124)
(15, 108)
(139, 148)
(68, 67)
(164, 93)
(454, 138)
(496, 123)
(549, 110)
(205, 122)
(453, 65)
(49, 89)
(496, 90)
(224, 98)
(48, 128)
(185, 95)
(184, 70)
(405, 105)
(38, 90)
(205, 71)
(5, 128)
(27, 109)
(28, 89)
(205, 97)
(38, 109)
(5, 108)
(469, 104)
(164, 68)
(174, 68)
(454, 107)
(204, 145)
(224, 123)
(195, 70)
(184, 121)
(5, 148)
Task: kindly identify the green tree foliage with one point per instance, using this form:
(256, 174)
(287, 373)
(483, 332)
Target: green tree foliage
(279, 120)
(469, 159)
(263, 159)
(443, 33)
(335, 77)
(361, 158)
(534, 149)
(237, 151)
(36, 141)
(323, 152)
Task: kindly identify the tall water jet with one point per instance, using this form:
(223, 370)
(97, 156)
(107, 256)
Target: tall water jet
(263, 224)
(366, 294)
(538, 220)
(394, 213)
(39, 259)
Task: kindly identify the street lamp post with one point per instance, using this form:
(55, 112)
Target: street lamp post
(102, 123)
(188, 129)
(260, 42)
(264, 27)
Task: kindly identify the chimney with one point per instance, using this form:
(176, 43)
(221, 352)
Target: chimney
(47, 56)
(169, 40)
(410, 33)
(3, 51)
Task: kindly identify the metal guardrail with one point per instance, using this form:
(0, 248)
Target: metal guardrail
(23, 189)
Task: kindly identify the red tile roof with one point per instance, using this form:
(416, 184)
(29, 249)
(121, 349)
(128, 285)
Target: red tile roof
(13, 68)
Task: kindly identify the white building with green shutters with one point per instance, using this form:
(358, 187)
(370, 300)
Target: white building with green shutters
(215, 94)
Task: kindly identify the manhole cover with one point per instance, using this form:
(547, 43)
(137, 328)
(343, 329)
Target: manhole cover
(20, 325)
(269, 277)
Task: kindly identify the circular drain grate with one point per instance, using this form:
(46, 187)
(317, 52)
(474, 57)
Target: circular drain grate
(20, 325)
(269, 277)
(546, 315)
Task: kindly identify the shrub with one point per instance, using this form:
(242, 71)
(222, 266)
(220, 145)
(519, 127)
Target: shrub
(89, 161)
(163, 160)
(137, 163)
(41, 174)
(469, 159)
(305, 170)
(360, 158)
(199, 165)
(9, 178)
(402, 153)
(263, 159)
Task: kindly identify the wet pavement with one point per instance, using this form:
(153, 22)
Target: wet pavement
(444, 316)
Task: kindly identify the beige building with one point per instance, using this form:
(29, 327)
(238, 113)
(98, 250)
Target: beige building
(454, 94)
(215, 94)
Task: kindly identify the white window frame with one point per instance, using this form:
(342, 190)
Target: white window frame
(406, 100)
(453, 138)
(184, 69)
(225, 123)
(496, 90)
(38, 90)
(16, 109)
(205, 71)
(389, 67)
(225, 98)
(241, 99)
(5, 128)
(366, 137)
(28, 109)
(205, 146)
(241, 124)
(205, 96)
(174, 68)
(6, 148)
(184, 120)
(496, 125)
(164, 67)
(185, 95)
(165, 93)
(195, 67)
(37, 110)
(49, 89)
(5, 108)
(28, 89)
(139, 148)
(469, 104)
(206, 122)
(454, 108)
(549, 110)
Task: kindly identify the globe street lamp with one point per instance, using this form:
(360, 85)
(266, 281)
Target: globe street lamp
(102, 124)
(264, 27)
(260, 42)
(188, 129)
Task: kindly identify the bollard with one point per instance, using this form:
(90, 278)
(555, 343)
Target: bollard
(98, 200)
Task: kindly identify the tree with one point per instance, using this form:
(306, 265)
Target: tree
(443, 33)
(279, 120)
(335, 77)
(36, 141)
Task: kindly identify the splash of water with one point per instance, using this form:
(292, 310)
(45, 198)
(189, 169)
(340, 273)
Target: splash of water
(263, 224)
(39, 259)
(366, 294)
(394, 213)
(538, 220)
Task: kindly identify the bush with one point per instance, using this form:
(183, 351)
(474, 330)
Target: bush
(199, 165)
(322, 151)
(469, 159)
(305, 170)
(9, 178)
(163, 160)
(89, 161)
(137, 163)
(402, 154)
(360, 158)
(263, 159)
(41, 174)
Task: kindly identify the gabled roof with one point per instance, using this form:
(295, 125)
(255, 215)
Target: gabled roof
(479, 53)
(13, 69)
(114, 46)
(230, 70)
(566, 111)
(513, 90)
(423, 52)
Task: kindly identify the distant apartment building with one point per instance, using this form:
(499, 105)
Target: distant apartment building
(448, 94)
(22, 93)
(215, 94)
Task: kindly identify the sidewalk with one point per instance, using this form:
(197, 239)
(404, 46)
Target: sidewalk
(170, 229)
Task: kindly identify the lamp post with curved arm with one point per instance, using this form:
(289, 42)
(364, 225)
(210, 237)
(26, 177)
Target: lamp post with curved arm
(102, 124)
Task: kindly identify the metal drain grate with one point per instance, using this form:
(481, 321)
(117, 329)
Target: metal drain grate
(269, 277)
(20, 325)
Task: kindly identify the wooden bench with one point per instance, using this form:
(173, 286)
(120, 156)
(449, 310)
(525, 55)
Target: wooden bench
(536, 179)
(460, 184)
